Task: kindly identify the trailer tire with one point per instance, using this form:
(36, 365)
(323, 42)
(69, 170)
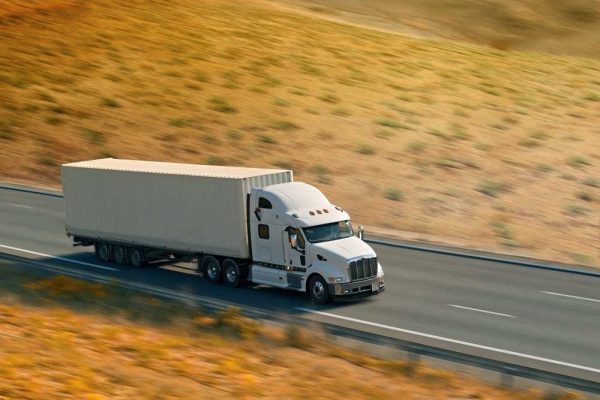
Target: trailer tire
(120, 255)
(103, 252)
(136, 257)
(318, 290)
(234, 274)
(211, 269)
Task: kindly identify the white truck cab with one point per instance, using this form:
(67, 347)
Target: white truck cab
(301, 241)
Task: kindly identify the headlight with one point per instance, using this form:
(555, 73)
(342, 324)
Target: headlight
(335, 279)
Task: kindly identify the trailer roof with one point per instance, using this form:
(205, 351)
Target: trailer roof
(214, 171)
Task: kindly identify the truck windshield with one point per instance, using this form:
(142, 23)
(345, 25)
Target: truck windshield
(324, 233)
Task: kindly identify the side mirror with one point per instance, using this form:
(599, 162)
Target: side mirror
(257, 213)
(293, 240)
(360, 232)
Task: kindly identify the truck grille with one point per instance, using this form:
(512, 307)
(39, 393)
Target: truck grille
(363, 268)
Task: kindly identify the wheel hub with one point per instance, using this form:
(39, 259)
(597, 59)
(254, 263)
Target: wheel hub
(318, 289)
(231, 274)
(212, 270)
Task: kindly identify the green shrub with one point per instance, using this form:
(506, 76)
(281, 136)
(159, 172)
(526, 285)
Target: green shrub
(329, 98)
(578, 162)
(6, 132)
(167, 137)
(585, 195)
(201, 76)
(383, 134)
(54, 121)
(92, 136)
(416, 147)
(178, 122)
(341, 112)
(219, 104)
(491, 188)
(106, 153)
(391, 123)
(593, 182)
(107, 102)
(576, 210)
(215, 160)
(234, 134)
(283, 125)
(365, 149)
(281, 102)
(266, 139)
(502, 230)
(283, 164)
(393, 194)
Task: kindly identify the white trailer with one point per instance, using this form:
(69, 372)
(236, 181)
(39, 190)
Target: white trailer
(240, 224)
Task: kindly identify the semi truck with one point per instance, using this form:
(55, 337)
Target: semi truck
(241, 225)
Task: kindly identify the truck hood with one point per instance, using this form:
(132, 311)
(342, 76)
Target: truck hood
(348, 248)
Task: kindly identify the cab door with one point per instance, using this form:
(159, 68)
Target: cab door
(265, 237)
(295, 257)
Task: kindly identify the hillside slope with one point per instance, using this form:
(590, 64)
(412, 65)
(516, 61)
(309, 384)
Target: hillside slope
(555, 26)
(458, 143)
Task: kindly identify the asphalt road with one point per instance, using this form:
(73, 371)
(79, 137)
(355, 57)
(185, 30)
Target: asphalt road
(538, 318)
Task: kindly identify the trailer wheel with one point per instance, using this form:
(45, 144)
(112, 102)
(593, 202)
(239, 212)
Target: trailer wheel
(136, 257)
(103, 252)
(211, 269)
(120, 254)
(318, 290)
(233, 273)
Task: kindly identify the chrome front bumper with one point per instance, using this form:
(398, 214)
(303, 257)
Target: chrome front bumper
(362, 288)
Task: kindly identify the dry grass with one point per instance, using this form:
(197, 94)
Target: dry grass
(171, 80)
(61, 348)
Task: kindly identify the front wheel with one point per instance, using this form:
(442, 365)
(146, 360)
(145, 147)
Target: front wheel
(318, 290)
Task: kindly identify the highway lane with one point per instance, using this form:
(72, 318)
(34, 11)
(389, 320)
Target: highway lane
(543, 319)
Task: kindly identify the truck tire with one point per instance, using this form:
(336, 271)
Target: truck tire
(136, 257)
(120, 254)
(318, 290)
(234, 274)
(211, 268)
(103, 252)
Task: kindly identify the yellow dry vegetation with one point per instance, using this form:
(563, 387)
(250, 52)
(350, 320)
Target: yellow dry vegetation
(417, 138)
(55, 353)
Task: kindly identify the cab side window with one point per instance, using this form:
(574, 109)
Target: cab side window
(301, 243)
(264, 203)
(263, 231)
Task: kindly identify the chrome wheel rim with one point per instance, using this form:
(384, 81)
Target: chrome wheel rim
(213, 270)
(232, 274)
(119, 254)
(135, 258)
(103, 252)
(318, 290)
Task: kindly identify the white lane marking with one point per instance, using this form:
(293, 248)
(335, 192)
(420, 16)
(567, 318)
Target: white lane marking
(572, 297)
(455, 341)
(58, 258)
(481, 311)
(19, 205)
